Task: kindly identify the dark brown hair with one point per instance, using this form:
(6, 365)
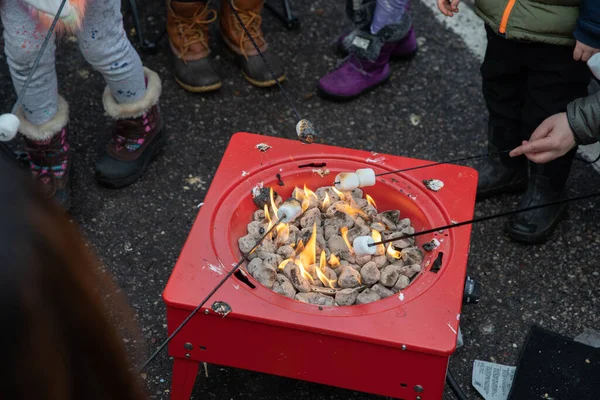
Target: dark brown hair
(57, 337)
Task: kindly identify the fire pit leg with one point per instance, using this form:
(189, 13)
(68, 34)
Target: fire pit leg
(183, 379)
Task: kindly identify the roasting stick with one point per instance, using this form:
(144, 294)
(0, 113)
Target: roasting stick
(496, 153)
(212, 292)
(287, 213)
(487, 218)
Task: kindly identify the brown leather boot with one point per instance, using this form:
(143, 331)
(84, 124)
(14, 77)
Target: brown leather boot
(187, 26)
(253, 67)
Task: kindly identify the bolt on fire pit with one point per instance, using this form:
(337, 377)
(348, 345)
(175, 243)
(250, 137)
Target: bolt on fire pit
(408, 335)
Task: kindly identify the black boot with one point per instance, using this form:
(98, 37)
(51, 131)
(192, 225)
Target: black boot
(501, 173)
(546, 185)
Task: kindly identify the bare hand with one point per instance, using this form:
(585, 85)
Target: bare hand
(552, 139)
(448, 7)
(583, 52)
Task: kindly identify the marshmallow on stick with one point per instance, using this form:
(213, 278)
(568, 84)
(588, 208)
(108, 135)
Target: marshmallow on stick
(289, 211)
(347, 181)
(361, 246)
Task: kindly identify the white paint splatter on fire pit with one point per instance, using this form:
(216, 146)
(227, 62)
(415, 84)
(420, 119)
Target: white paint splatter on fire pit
(256, 189)
(244, 173)
(433, 184)
(321, 172)
(263, 147)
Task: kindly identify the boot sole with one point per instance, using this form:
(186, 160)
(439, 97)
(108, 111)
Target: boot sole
(199, 89)
(329, 96)
(264, 84)
(537, 238)
(154, 150)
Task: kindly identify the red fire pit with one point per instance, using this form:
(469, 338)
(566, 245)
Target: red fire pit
(397, 347)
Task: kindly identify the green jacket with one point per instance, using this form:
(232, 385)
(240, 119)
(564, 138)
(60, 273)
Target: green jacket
(546, 21)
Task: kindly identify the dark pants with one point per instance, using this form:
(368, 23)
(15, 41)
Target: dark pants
(523, 84)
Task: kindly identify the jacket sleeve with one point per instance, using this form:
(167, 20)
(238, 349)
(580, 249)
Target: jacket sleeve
(584, 118)
(588, 23)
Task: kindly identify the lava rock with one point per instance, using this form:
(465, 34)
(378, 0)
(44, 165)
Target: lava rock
(286, 251)
(330, 231)
(401, 283)
(389, 275)
(272, 260)
(284, 287)
(349, 278)
(315, 298)
(266, 275)
(412, 255)
(367, 296)
(380, 261)
(370, 273)
(382, 291)
(410, 270)
(311, 217)
(263, 196)
(362, 260)
(247, 243)
(254, 265)
(298, 280)
(346, 297)
(259, 215)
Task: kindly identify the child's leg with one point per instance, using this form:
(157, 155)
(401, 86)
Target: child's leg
(131, 97)
(555, 79)
(504, 83)
(22, 42)
(104, 44)
(44, 114)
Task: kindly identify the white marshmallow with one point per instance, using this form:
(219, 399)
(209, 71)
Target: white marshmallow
(366, 177)
(362, 248)
(289, 211)
(9, 126)
(347, 181)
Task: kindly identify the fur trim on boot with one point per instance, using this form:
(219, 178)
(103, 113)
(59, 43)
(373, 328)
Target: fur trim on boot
(367, 46)
(134, 110)
(48, 129)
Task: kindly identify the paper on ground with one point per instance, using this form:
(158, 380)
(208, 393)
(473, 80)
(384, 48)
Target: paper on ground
(492, 381)
(590, 337)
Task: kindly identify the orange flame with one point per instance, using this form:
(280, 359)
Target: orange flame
(377, 238)
(393, 252)
(268, 217)
(334, 261)
(322, 277)
(326, 202)
(340, 194)
(308, 256)
(283, 233)
(344, 231)
(273, 205)
(284, 263)
(371, 201)
(309, 193)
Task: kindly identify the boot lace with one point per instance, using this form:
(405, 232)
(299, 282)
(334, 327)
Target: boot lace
(194, 29)
(252, 20)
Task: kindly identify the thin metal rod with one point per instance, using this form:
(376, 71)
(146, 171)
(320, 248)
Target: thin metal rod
(38, 58)
(260, 53)
(496, 153)
(212, 292)
(489, 217)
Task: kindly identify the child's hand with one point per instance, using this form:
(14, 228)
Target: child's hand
(448, 7)
(552, 139)
(582, 51)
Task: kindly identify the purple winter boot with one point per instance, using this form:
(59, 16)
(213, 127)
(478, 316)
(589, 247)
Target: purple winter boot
(356, 75)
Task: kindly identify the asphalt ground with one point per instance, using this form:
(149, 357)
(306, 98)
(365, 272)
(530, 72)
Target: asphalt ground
(139, 231)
